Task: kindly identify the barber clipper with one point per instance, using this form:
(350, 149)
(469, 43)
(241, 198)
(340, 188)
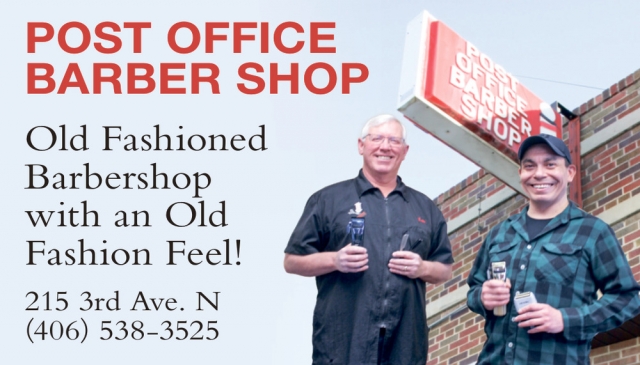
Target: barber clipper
(524, 299)
(499, 272)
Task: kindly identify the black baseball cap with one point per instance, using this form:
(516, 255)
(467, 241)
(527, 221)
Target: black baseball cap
(555, 143)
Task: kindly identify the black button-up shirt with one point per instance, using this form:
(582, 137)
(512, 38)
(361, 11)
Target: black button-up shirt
(352, 307)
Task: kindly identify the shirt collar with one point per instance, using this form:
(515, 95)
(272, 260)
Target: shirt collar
(570, 212)
(363, 185)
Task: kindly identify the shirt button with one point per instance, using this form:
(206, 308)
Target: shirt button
(513, 319)
(522, 267)
(528, 247)
(517, 292)
(510, 344)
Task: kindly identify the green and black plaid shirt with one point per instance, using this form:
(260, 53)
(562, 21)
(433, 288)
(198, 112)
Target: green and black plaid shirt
(565, 265)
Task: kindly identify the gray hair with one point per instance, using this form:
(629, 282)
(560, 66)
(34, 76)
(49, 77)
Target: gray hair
(379, 120)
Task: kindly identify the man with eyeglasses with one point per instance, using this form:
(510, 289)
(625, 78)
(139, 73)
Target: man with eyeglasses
(370, 306)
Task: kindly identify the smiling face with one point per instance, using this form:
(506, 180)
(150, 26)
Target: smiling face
(382, 160)
(545, 177)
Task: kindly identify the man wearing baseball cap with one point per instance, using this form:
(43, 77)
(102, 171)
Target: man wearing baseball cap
(561, 255)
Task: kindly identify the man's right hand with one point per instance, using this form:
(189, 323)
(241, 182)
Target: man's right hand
(495, 293)
(351, 259)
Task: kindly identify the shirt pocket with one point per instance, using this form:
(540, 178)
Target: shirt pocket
(558, 263)
(502, 251)
(419, 241)
(338, 235)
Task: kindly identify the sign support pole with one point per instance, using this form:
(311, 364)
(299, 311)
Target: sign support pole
(575, 187)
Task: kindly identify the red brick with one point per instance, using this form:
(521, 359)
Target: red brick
(620, 184)
(625, 361)
(632, 236)
(456, 359)
(592, 182)
(628, 111)
(631, 186)
(630, 147)
(614, 99)
(469, 345)
(457, 265)
(470, 330)
(583, 108)
(496, 190)
(635, 252)
(628, 138)
(621, 345)
(449, 326)
(459, 343)
(616, 171)
(627, 98)
(612, 203)
(622, 84)
(631, 350)
(605, 160)
(604, 169)
(607, 356)
(603, 154)
(470, 360)
(448, 355)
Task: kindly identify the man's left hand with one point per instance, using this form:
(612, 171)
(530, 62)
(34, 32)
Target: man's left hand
(541, 317)
(406, 263)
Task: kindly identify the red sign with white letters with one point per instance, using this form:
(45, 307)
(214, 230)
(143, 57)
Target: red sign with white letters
(487, 100)
(460, 96)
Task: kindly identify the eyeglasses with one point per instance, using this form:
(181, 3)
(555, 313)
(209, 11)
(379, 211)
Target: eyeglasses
(378, 139)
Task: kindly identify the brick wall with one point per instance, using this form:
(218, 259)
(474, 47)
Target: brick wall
(466, 241)
(611, 173)
(622, 353)
(610, 176)
(628, 233)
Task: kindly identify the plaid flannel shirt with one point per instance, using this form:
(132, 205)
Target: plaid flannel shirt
(565, 265)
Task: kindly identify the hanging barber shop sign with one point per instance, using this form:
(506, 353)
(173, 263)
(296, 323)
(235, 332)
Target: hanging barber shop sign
(460, 95)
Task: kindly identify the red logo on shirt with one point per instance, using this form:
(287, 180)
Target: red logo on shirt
(421, 220)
